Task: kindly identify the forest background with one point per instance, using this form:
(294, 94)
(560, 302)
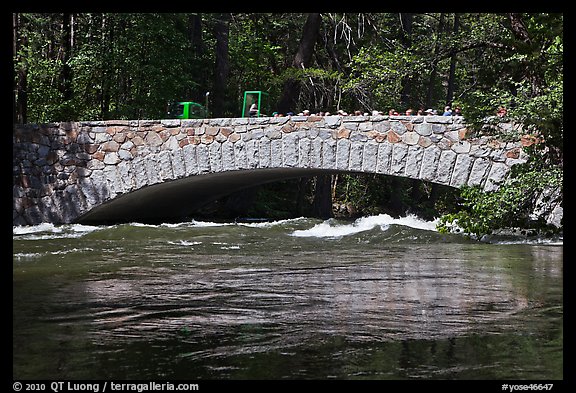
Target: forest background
(98, 66)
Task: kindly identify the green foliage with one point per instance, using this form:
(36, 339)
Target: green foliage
(124, 66)
(370, 194)
(376, 76)
(320, 89)
(43, 91)
(529, 82)
(509, 206)
(528, 79)
(129, 66)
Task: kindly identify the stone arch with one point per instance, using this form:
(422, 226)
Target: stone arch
(65, 172)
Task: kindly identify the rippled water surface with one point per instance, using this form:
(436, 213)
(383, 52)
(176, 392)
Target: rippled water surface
(378, 298)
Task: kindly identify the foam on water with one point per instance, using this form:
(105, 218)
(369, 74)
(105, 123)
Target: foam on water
(269, 224)
(330, 228)
(50, 231)
(26, 229)
(203, 224)
(184, 243)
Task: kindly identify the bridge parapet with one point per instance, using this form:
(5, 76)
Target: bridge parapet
(62, 170)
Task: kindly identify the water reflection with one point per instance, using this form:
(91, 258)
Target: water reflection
(380, 299)
(361, 308)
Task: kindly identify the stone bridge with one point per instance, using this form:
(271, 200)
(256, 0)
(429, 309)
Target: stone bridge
(116, 170)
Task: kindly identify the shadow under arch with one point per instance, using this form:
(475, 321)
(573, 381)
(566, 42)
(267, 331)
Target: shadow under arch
(178, 199)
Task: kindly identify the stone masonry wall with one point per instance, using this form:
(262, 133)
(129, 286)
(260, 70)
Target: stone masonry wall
(62, 170)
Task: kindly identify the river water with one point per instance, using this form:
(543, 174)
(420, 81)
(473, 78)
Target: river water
(377, 298)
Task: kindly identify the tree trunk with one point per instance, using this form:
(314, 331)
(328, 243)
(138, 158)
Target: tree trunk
(518, 27)
(20, 84)
(105, 80)
(302, 59)
(526, 47)
(303, 186)
(322, 205)
(221, 31)
(395, 204)
(195, 32)
(452, 73)
(435, 60)
(66, 43)
(406, 20)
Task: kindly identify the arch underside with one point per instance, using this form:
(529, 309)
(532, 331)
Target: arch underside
(178, 199)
